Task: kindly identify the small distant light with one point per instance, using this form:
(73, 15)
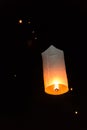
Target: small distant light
(15, 75)
(35, 38)
(20, 21)
(71, 89)
(33, 31)
(29, 22)
(76, 112)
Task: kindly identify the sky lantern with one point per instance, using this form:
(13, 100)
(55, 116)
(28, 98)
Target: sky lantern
(20, 21)
(54, 71)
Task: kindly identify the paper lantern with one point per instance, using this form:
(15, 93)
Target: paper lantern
(54, 71)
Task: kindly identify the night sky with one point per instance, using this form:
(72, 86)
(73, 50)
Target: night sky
(23, 103)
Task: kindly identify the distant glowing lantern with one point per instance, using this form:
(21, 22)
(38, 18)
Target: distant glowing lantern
(76, 112)
(29, 22)
(20, 21)
(54, 71)
(71, 89)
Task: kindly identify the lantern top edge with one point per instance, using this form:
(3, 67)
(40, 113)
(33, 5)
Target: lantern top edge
(52, 48)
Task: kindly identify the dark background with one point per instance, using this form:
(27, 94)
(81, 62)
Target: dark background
(23, 103)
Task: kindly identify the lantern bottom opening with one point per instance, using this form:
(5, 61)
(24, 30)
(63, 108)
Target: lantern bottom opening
(62, 89)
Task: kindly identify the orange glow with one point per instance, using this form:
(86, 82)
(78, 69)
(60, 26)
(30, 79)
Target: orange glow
(62, 89)
(54, 84)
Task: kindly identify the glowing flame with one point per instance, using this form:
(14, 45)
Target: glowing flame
(56, 86)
